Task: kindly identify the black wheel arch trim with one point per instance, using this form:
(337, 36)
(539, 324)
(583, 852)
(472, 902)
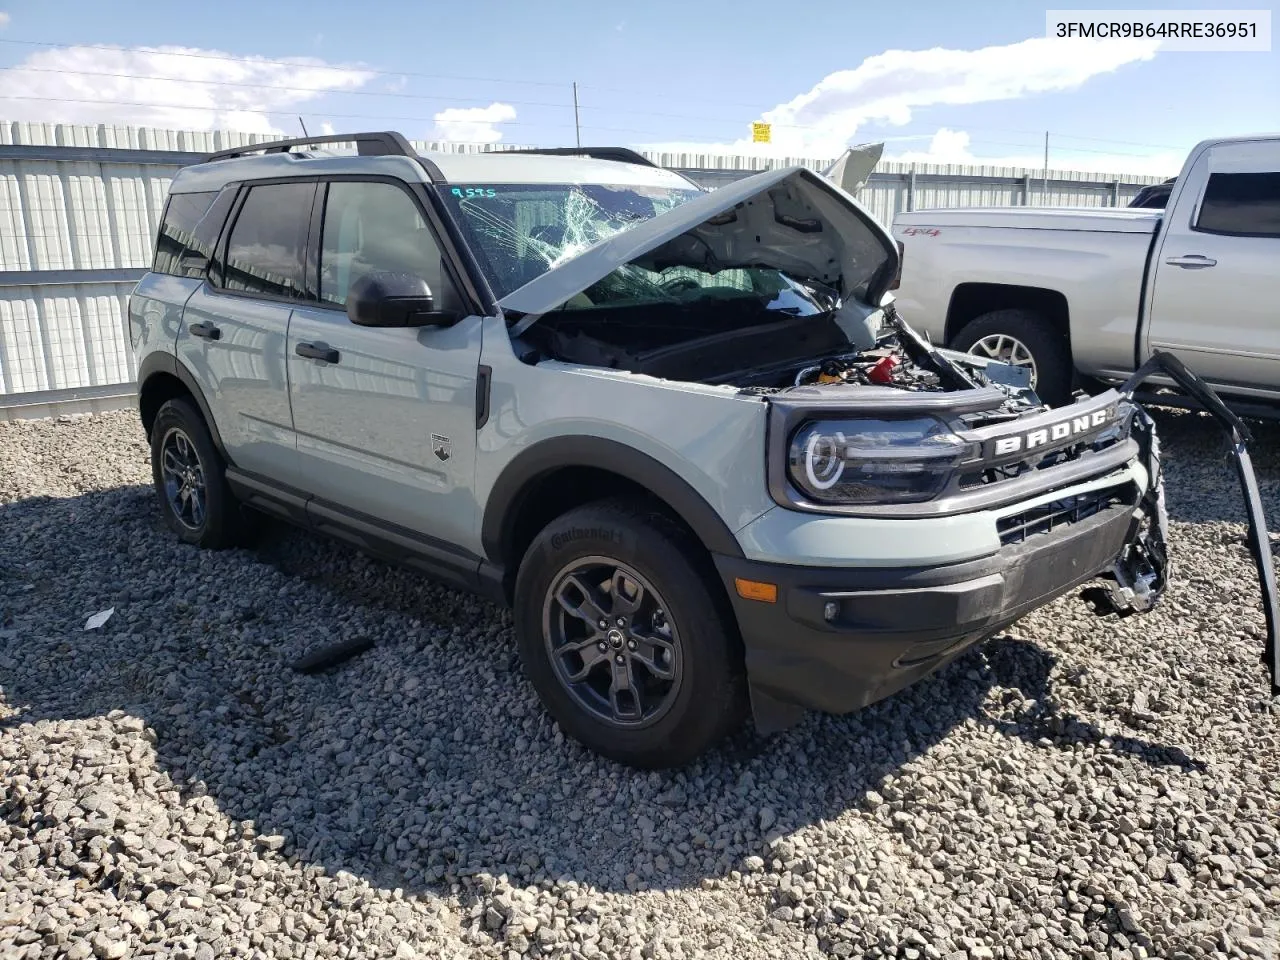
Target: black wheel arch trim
(532, 464)
(168, 363)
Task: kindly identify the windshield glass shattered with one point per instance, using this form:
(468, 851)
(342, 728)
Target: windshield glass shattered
(633, 285)
(520, 231)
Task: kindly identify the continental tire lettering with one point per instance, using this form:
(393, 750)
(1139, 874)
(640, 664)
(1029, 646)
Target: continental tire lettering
(558, 540)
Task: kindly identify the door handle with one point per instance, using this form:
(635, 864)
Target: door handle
(317, 351)
(1192, 261)
(205, 330)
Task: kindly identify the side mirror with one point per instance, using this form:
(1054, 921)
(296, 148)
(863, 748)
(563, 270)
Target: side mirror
(385, 299)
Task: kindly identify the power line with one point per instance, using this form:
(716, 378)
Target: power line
(297, 62)
(302, 61)
(408, 96)
(518, 123)
(269, 113)
(280, 86)
(375, 93)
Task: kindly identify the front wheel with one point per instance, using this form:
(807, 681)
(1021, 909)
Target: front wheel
(622, 637)
(1023, 338)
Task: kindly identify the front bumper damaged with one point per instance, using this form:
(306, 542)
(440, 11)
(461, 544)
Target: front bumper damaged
(838, 639)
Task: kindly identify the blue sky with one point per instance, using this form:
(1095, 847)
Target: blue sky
(936, 80)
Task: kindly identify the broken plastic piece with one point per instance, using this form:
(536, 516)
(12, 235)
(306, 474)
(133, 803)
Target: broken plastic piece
(99, 618)
(332, 655)
(1239, 438)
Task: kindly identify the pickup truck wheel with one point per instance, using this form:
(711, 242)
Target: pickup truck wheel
(620, 635)
(1023, 338)
(190, 479)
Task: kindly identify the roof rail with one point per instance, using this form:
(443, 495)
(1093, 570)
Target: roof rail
(386, 143)
(620, 154)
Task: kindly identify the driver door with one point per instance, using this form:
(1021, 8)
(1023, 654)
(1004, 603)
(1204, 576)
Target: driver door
(385, 417)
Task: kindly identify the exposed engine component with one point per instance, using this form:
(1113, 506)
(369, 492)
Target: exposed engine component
(887, 366)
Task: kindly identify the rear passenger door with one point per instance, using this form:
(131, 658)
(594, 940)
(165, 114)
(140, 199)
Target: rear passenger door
(385, 418)
(234, 327)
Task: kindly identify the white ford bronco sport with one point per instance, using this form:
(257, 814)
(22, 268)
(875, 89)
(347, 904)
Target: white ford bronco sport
(682, 433)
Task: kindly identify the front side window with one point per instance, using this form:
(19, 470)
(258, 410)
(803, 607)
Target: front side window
(520, 231)
(264, 251)
(1242, 204)
(177, 228)
(373, 227)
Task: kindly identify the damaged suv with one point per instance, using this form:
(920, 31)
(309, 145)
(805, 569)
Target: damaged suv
(683, 434)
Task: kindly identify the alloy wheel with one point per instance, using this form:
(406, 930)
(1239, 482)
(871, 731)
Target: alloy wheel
(183, 476)
(1007, 349)
(611, 644)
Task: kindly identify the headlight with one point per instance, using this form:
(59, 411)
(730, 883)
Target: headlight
(875, 461)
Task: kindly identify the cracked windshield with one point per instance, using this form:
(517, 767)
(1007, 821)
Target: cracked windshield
(521, 231)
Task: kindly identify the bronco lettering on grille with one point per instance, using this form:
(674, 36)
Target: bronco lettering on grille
(1053, 433)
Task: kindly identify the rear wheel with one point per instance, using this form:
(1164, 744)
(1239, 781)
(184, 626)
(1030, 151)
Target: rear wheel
(190, 479)
(1023, 338)
(622, 637)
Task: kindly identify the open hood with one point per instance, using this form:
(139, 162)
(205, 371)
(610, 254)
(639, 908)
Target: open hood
(790, 219)
(854, 167)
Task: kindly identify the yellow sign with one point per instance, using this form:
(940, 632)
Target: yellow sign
(761, 132)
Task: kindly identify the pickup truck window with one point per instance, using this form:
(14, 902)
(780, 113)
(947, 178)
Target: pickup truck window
(1241, 205)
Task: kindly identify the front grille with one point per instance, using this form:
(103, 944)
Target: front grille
(1055, 457)
(1018, 527)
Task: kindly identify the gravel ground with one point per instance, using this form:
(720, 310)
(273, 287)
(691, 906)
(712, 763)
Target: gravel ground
(1076, 788)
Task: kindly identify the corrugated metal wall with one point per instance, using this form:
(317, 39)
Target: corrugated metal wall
(79, 207)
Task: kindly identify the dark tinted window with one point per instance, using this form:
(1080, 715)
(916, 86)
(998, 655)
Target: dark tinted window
(181, 214)
(195, 258)
(264, 252)
(1241, 203)
(372, 227)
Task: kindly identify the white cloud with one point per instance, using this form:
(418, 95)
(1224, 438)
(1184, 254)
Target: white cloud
(326, 129)
(4, 19)
(887, 87)
(150, 86)
(472, 124)
(954, 146)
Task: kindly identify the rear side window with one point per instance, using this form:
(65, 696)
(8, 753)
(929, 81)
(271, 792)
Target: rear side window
(265, 249)
(177, 227)
(1241, 204)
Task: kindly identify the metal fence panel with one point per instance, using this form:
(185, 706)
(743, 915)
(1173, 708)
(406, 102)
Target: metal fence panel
(79, 208)
(64, 337)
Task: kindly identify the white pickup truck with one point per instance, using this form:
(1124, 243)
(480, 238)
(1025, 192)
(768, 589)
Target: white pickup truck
(1086, 294)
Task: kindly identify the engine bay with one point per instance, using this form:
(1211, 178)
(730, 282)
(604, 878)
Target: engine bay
(804, 353)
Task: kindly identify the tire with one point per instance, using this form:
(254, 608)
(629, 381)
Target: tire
(670, 720)
(180, 437)
(1050, 351)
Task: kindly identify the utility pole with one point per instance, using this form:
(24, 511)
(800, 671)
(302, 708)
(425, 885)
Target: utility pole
(577, 128)
(1046, 167)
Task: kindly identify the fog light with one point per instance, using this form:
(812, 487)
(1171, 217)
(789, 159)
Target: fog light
(830, 611)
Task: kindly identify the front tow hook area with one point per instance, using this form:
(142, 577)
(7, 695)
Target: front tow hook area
(1139, 576)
